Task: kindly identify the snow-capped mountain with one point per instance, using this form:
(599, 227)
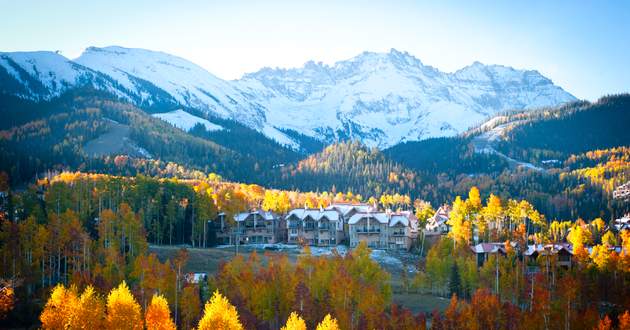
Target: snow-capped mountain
(43, 75)
(387, 98)
(379, 98)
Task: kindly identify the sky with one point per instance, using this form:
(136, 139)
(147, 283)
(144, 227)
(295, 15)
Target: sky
(583, 46)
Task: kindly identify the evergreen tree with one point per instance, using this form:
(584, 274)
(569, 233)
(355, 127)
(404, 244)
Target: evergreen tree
(454, 281)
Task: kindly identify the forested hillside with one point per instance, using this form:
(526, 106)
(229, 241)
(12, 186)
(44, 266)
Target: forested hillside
(55, 133)
(63, 133)
(451, 155)
(557, 133)
(350, 166)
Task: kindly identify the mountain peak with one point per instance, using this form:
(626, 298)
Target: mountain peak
(378, 98)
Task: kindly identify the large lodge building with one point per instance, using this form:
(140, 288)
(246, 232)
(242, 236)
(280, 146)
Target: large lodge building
(339, 223)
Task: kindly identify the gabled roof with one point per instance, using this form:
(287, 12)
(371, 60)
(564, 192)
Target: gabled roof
(346, 208)
(440, 217)
(264, 215)
(622, 223)
(543, 248)
(381, 217)
(315, 214)
(406, 218)
(488, 248)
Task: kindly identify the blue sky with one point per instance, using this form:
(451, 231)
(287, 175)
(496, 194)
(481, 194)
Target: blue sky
(583, 46)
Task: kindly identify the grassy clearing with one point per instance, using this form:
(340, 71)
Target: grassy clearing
(208, 260)
(418, 302)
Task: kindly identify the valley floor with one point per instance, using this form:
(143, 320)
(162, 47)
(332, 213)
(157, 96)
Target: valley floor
(209, 260)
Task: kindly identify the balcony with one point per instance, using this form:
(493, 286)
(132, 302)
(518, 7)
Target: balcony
(258, 225)
(367, 230)
(398, 233)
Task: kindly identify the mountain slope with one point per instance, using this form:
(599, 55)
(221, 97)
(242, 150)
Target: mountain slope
(79, 128)
(44, 75)
(348, 166)
(543, 137)
(379, 98)
(535, 139)
(383, 99)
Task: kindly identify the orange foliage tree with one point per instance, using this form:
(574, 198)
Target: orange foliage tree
(123, 312)
(158, 316)
(59, 308)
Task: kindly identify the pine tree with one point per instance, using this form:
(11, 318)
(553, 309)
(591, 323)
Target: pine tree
(454, 281)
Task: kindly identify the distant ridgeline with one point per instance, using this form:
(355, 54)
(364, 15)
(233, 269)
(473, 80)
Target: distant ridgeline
(575, 153)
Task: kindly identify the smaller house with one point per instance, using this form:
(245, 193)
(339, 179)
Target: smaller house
(195, 278)
(622, 223)
(484, 251)
(563, 251)
(438, 223)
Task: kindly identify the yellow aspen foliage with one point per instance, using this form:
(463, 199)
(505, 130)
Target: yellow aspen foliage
(123, 312)
(461, 230)
(6, 300)
(601, 256)
(609, 239)
(328, 323)
(474, 199)
(58, 309)
(89, 312)
(158, 315)
(295, 322)
(219, 314)
(579, 236)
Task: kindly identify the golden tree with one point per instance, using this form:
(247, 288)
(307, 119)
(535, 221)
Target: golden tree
(89, 312)
(295, 322)
(123, 312)
(6, 298)
(474, 199)
(158, 316)
(328, 323)
(58, 309)
(461, 230)
(219, 314)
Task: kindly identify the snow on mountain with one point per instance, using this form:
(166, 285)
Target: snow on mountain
(185, 121)
(147, 73)
(380, 98)
(39, 75)
(387, 98)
